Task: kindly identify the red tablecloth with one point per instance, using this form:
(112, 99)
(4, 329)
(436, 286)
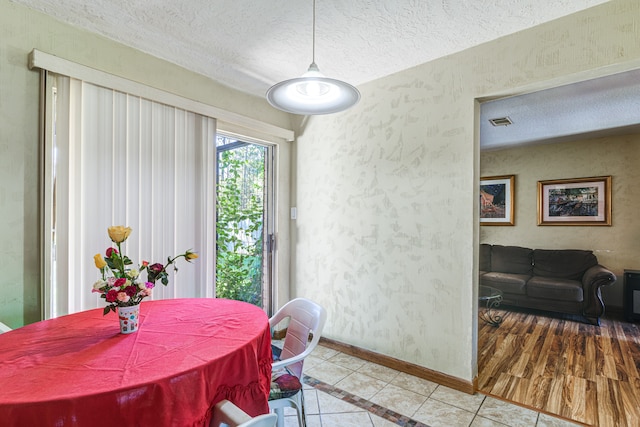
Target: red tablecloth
(188, 354)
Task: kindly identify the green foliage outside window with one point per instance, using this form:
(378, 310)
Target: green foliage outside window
(240, 224)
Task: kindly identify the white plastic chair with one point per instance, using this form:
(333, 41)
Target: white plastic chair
(305, 318)
(4, 328)
(225, 413)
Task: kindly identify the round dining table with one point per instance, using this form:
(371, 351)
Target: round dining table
(188, 354)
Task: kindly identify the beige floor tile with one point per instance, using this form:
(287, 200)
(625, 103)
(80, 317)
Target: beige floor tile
(507, 413)
(330, 405)
(479, 421)
(378, 371)
(358, 419)
(311, 401)
(328, 372)
(415, 384)
(468, 402)
(347, 361)
(312, 421)
(397, 399)
(324, 352)
(312, 360)
(545, 420)
(438, 414)
(381, 422)
(405, 394)
(361, 385)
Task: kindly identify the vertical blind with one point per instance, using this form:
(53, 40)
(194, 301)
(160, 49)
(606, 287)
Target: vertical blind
(119, 159)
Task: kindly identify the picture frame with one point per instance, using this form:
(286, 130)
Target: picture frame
(497, 200)
(577, 201)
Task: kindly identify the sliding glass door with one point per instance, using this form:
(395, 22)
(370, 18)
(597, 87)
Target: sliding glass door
(244, 221)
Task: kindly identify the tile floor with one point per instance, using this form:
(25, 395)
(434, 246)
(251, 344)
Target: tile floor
(344, 391)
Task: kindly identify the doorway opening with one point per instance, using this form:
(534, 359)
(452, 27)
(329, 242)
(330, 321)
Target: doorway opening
(244, 221)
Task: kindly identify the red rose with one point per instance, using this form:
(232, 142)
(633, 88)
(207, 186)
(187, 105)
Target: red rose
(112, 296)
(111, 251)
(130, 290)
(119, 282)
(145, 263)
(156, 268)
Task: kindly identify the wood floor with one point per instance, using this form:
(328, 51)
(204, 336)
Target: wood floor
(563, 367)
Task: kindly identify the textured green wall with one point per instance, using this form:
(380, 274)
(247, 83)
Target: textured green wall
(387, 227)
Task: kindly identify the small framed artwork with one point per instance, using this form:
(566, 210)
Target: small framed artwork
(578, 201)
(497, 195)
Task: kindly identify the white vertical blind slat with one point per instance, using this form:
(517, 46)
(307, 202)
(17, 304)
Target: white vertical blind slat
(60, 199)
(134, 162)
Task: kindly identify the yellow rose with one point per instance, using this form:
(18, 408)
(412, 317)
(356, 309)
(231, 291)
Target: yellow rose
(119, 233)
(100, 262)
(191, 255)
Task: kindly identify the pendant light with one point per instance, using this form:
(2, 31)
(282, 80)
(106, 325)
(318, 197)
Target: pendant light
(313, 93)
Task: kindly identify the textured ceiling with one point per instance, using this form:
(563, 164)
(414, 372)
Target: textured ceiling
(252, 44)
(606, 105)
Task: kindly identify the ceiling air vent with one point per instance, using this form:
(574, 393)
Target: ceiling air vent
(501, 121)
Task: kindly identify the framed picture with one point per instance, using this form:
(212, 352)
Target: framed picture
(578, 201)
(497, 195)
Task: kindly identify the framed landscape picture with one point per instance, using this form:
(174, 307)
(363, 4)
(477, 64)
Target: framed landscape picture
(497, 195)
(578, 201)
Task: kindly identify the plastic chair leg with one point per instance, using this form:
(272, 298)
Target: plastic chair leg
(280, 413)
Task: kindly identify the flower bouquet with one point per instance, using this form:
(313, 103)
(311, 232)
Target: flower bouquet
(121, 285)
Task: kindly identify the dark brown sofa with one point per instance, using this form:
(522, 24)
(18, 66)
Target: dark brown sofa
(559, 280)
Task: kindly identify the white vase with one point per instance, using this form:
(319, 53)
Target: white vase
(128, 317)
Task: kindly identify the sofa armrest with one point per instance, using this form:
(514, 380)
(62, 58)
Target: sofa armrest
(592, 280)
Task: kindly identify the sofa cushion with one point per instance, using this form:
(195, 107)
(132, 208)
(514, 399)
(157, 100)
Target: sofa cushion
(566, 264)
(484, 262)
(553, 288)
(511, 259)
(507, 283)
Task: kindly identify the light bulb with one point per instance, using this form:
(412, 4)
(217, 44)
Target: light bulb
(313, 88)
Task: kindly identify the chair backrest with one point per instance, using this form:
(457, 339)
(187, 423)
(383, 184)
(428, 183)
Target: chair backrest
(4, 328)
(267, 420)
(305, 318)
(225, 412)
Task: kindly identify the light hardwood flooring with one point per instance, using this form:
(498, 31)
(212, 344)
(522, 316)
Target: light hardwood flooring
(561, 366)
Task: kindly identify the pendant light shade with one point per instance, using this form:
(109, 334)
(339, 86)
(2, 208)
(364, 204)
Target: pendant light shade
(313, 93)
